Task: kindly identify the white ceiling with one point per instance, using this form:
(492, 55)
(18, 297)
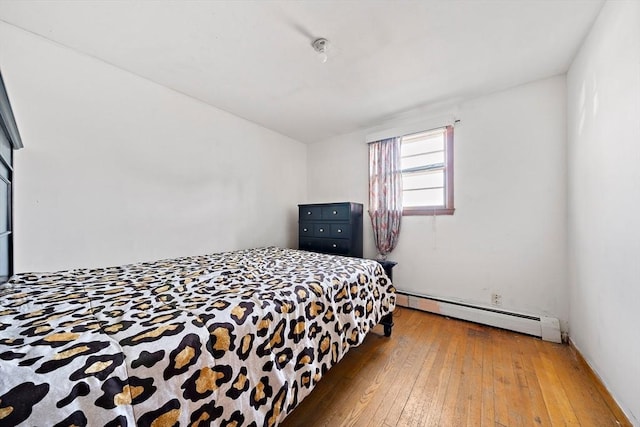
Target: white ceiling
(255, 60)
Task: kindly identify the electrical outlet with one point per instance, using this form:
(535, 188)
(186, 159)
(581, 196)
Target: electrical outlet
(496, 299)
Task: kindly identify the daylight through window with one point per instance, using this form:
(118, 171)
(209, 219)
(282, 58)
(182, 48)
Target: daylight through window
(427, 172)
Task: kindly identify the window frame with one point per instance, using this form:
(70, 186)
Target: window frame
(448, 208)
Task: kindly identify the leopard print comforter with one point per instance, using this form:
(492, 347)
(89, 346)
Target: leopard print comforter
(229, 339)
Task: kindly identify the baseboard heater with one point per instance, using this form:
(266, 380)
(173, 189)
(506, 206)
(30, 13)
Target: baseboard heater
(547, 328)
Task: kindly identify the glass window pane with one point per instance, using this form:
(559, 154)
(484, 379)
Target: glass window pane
(411, 147)
(423, 179)
(5, 147)
(422, 160)
(434, 133)
(4, 257)
(4, 206)
(433, 197)
(5, 172)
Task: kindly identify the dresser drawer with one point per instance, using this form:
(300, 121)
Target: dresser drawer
(321, 230)
(309, 213)
(337, 246)
(341, 230)
(314, 245)
(337, 212)
(305, 229)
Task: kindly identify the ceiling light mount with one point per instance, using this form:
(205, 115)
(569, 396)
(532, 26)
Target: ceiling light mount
(320, 45)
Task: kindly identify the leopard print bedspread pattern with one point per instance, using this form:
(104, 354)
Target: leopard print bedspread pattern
(229, 339)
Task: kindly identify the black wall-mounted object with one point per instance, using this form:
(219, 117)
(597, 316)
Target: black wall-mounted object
(332, 228)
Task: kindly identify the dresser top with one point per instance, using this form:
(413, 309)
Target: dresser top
(330, 204)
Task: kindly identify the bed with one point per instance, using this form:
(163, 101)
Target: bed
(231, 339)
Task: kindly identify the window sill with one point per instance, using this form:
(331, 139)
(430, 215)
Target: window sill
(427, 211)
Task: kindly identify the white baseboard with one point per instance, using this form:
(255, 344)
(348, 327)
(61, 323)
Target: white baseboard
(547, 328)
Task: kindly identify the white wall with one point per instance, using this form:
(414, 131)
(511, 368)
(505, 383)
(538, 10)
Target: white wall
(508, 234)
(117, 169)
(603, 86)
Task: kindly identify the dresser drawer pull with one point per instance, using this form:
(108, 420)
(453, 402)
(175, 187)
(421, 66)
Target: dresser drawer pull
(322, 230)
(308, 212)
(335, 212)
(339, 230)
(304, 229)
(334, 245)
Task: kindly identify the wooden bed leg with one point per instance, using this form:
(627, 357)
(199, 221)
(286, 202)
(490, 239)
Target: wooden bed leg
(387, 322)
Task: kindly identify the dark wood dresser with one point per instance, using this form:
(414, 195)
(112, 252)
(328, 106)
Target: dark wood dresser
(332, 228)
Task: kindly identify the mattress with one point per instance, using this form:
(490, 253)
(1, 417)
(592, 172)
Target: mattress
(236, 338)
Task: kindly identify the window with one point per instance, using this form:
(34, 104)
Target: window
(9, 141)
(427, 172)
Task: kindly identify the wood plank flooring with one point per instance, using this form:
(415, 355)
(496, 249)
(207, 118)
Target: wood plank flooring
(436, 371)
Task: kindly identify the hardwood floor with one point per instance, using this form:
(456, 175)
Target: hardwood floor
(436, 371)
